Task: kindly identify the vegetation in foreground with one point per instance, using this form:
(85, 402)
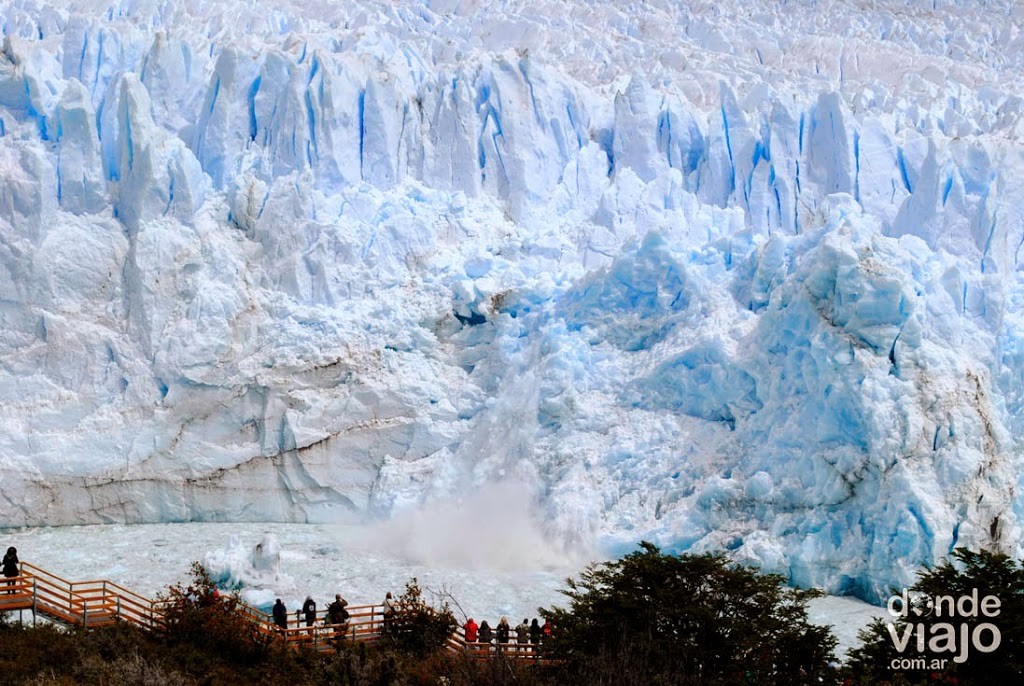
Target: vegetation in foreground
(207, 642)
(945, 615)
(652, 618)
(648, 618)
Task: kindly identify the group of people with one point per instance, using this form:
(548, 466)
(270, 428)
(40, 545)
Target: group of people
(532, 633)
(337, 616)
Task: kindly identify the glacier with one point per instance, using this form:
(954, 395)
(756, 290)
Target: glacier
(720, 276)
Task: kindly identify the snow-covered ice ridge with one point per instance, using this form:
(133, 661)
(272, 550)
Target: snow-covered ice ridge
(741, 277)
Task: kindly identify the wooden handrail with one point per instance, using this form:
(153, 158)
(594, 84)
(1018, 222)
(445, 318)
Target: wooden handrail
(37, 571)
(98, 601)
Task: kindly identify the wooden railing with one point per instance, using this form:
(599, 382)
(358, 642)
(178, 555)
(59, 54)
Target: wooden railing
(98, 603)
(76, 603)
(512, 649)
(365, 624)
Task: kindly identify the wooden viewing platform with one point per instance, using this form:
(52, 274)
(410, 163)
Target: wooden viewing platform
(98, 603)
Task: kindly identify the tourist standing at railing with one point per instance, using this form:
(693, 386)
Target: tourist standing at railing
(280, 615)
(11, 563)
(470, 628)
(485, 632)
(502, 630)
(336, 612)
(523, 633)
(547, 629)
(389, 611)
(309, 610)
(337, 616)
(535, 632)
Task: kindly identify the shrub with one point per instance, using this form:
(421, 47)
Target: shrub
(26, 651)
(198, 615)
(665, 619)
(987, 574)
(417, 628)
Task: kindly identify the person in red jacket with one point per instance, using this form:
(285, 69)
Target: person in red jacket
(470, 628)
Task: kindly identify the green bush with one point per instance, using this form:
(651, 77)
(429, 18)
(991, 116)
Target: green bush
(652, 618)
(108, 656)
(417, 628)
(199, 616)
(28, 651)
(877, 660)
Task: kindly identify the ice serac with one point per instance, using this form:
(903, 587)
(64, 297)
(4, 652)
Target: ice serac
(172, 73)
(225, 123)
(530, 133)
(81, 184)
(635, 141)
(387, 112)
(880, 187)
(829, 143)
(158, 175)
(454, 155)
(721, 278)
(28, 201)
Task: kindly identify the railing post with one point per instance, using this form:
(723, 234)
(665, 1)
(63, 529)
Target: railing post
(85, 609)
(35, 600)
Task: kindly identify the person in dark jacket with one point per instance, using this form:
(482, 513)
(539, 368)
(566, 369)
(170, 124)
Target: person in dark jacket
(535, 632)
(502, 631)
(280, 615)
(10, 565)
(309, 611)
(486, 634)
(523, 632)
(336, 612)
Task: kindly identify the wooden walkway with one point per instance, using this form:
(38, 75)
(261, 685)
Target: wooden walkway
(99, 603)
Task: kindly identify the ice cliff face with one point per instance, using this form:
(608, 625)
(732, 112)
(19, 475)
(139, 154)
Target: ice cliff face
(718, 277)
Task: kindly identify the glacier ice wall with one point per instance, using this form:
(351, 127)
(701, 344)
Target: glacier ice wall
(716, 276)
